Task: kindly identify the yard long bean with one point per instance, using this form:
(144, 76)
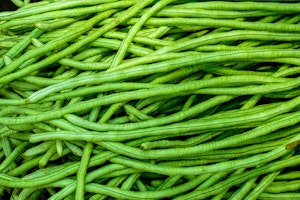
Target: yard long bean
(133, 99)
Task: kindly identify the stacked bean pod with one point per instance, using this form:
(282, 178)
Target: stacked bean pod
(107, 99)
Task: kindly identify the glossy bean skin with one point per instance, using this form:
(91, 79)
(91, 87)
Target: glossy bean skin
(149, 100)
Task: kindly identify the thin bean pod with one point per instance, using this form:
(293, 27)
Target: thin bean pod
(138, 99)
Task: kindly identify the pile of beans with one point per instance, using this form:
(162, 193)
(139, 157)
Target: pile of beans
(165, 99)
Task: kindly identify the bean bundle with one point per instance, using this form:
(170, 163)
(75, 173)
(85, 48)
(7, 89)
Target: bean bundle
(144, 99)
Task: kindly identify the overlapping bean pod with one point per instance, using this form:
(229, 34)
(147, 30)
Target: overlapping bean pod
(138, 99)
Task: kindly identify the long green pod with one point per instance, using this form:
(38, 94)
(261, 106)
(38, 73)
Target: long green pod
(80, 11)
(52, 45)
(118, 193)
(220, 122)
(163, 66)
(219, 23)
(4, 16)
(130, 12)
(214, 38)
